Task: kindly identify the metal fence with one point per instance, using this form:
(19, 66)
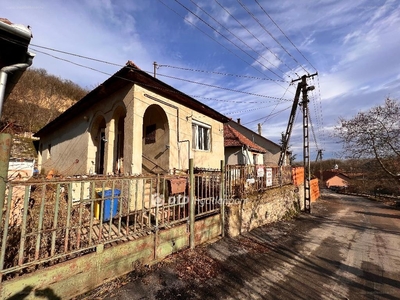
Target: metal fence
(47, 222)
(207, 191)
(242, 180)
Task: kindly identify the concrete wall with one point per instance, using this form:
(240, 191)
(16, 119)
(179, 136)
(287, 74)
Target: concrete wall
(74, 146)
(235, 156)
(180, 133)
(263, 208)
(82, 274)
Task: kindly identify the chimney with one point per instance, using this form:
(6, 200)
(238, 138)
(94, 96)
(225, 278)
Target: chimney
(259, 129)
(238, 120)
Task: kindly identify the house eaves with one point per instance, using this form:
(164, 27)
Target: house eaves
(233, 138)
(254, 133)
(131, 74)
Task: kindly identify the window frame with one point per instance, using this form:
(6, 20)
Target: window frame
(198, 141)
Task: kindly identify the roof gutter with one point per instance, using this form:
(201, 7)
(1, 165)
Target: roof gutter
(15, 58)
(16, 69)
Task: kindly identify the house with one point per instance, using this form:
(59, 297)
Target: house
(334, 178)
(132, 123)
(271, 156)
(239, 150)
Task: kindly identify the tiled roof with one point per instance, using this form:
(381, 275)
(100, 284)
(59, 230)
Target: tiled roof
(234, 138)
(132, 74)
(326, 175)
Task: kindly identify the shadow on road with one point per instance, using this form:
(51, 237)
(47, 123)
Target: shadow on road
(378, 214)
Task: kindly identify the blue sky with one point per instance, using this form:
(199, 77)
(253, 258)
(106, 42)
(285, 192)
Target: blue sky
(354, 46)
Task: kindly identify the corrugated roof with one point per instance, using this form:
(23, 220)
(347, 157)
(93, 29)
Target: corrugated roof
(132, 74)
(233, 138)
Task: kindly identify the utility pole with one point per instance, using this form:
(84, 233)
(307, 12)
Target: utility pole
(155, 69)
(306, 142)
(319, 155)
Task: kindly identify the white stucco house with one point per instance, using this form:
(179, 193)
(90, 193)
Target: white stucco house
(271, 151)
(131, 124)
(239, 150)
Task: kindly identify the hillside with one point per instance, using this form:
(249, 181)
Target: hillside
(37, 99)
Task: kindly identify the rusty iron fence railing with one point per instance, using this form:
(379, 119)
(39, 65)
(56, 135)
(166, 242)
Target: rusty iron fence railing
(47, 222)
(207, 192)
(51, 221)
(242, 180)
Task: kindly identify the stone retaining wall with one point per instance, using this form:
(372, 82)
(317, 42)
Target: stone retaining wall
(262, 208)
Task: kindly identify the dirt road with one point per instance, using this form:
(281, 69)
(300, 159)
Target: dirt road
(348, 248)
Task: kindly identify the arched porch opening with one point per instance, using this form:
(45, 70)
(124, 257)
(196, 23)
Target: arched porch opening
(155, 141)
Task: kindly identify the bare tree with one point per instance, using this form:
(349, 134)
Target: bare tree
(374, 134)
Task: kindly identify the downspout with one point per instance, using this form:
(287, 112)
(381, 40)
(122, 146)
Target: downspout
(5, 138)
(4, 75)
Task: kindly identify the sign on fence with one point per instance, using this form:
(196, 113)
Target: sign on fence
(260, 172)
(268, 176)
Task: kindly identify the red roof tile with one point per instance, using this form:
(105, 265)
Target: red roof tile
(234, 138)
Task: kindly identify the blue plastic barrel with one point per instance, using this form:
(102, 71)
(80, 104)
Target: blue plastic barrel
(110, 205)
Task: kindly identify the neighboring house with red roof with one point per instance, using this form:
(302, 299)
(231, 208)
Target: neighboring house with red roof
(239, 150)
(334, 178)
(132, 123)
(272, 150)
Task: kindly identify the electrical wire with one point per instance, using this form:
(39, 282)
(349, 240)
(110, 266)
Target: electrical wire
(233, 34)
(255, 37)
(222, 45)
(220, 73)
(229, 101)
(275, 106)
(253, 109)
(266, 30)
(227, 39)
(168, 76)
(223, 88)
(285, 35)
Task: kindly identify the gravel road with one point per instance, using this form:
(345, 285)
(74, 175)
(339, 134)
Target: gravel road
(347, 248)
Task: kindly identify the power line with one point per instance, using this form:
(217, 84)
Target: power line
(252, 109)
(312, 130)
(194, 25)
(275, 106)
(266, 30)
(285, 35)
(223, 88)
(178, 92)
(227, 29)
(159, 65)
(220, 73)
(215, 30)
(240, 23)
(229, 101)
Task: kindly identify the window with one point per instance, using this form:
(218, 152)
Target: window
(201, 136)
(150, 137)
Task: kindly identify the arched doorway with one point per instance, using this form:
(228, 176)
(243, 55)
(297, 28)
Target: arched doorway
(119, 117)
(99, 142)
(155, 141)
